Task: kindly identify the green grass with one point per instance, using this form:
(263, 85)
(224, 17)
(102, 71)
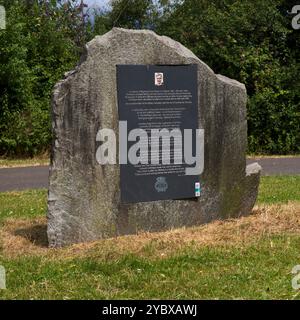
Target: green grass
(32, 203)
(24, 204)
(279, 189)
(260, 270)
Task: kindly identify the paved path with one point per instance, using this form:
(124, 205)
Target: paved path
(24, 178)
(37, 177)
(278, 166)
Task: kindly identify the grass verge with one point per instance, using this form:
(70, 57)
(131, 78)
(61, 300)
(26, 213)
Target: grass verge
(32, 203)
(279, 189)
(258, 271)
(247, 258)
(42, 160)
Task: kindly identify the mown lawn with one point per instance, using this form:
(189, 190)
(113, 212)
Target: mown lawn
(258, 269)
(279, 189)
(32, 203)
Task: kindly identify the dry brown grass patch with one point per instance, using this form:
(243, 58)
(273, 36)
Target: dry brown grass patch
(28, 237)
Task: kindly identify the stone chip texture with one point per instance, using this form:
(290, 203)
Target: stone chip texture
(84, 197)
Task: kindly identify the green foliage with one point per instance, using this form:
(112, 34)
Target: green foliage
(41, 42)
(253, 42)
(130, 14)
(136, 14)
(250, 40)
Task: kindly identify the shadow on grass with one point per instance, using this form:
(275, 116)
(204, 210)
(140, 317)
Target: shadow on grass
(36, 234)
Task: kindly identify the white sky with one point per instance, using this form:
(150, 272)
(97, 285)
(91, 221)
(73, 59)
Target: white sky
(98, 3)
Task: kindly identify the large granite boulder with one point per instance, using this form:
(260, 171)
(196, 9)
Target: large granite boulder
(84, 197)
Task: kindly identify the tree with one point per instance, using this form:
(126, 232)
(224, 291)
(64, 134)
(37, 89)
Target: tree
(251, 41)
(43, 39)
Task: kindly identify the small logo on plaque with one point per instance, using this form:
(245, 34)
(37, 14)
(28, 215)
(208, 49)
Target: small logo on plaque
(161, 184)
(197, 189)
(159, 78)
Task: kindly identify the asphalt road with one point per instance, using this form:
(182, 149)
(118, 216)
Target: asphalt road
(24, 178)
(37, 177)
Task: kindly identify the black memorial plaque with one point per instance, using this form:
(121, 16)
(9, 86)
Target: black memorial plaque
(157, 97)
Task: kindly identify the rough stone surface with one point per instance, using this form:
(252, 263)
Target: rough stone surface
(84, 197)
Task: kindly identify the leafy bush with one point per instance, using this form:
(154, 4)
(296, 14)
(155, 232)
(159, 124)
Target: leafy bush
(40, 43)
(253, 42)
(250, 40)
